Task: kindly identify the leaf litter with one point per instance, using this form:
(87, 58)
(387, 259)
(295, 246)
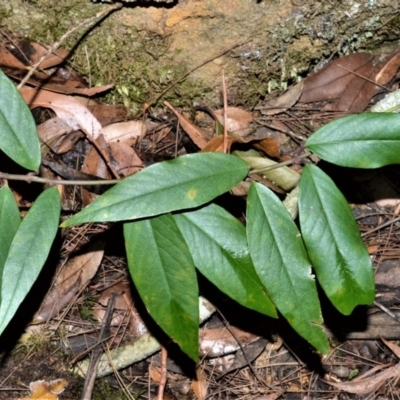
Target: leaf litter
(89, 275)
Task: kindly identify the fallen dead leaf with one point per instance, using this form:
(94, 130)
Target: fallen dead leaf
(66, 107)
(198, 137)
(388, 68)
(330, 82)
(365, 384)
(238, 120)
(283, 102)
(44, 390)
(72, 277)
(200, 385)
(127, 132)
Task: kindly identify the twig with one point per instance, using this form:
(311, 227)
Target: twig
(95, 357)
(231, 331)
(225, 148)
(387, 311)
(57, 44)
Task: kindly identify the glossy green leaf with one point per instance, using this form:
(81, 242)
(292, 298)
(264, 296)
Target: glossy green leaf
(164, 274)
(9, 222)
(333, 242)
(281, 261)
(369, 140)
(218, 244)
(28, 253)
(185, 182)
(18, 134)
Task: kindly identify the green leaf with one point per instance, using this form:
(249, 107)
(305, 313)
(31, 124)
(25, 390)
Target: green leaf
(369, 140)
(218, 244)
(28, 253)
(282, 264)
(333, 242)
(164, 274)
(19, 138)
(9, 222)
(185, 182)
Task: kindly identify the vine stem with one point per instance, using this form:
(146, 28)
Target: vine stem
(32, 178)
(279, 165)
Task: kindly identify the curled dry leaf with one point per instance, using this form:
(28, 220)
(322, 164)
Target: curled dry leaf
(123, 302)
(44, 390)
(283, 102)
(66, 107)
(387, 68)
(365, 383)
(127, 132)
(32, 52)
(238, 120)
(72, 277)
(51, 133)
(8, 60)
(200, 384)
(198, 137)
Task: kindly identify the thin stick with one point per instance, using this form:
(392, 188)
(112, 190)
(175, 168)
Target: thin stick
(225, 148)
(57, 44)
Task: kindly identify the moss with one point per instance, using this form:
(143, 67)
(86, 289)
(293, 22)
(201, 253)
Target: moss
(141, 65)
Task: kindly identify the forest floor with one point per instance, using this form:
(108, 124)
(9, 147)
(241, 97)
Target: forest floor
(59, 324)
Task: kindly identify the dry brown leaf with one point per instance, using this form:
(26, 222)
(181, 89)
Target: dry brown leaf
(200, 384)
(283, 102)
(72, 277)
(68, 142)
(238, 121)
(93, 164)
(387, 68)
(198, 137)
(127, 159)
(331, 81)
(217, 143)
(43, 390)
(395, 349)
(127, 132)
(8, 60)
(107, 114)
(220, 341)
(269, 147)
(359, 90)
(365, 384)
(66, 107)
(155, 373)
(53, 128)
(33, 51)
